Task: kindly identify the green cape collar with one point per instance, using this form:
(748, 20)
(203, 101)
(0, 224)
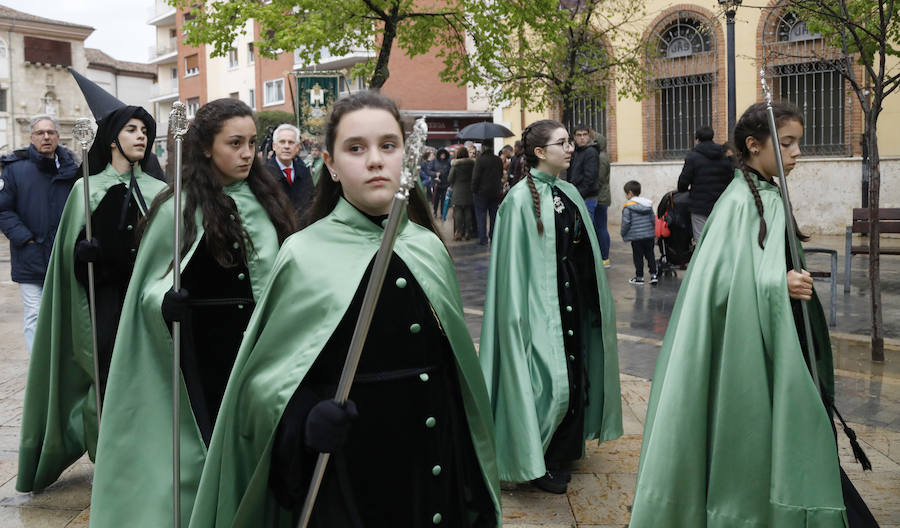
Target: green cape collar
(542, 176)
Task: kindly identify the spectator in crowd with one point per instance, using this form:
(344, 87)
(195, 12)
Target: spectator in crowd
(603, 198)
(424, 178)
(486, 193)
(706, 173)
(439, 170)
(293, 174)
(460, 180)
(34, 186)
(516, 164)
(314, 160)
(637, 228)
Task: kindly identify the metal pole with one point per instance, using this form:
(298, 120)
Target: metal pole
(790, 227)
(732, 98)
(178, 126)
(84, 135)
(414, 146)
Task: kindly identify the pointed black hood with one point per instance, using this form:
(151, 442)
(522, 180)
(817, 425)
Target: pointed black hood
(111, 116)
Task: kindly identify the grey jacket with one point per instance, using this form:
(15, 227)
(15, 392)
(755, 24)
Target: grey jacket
(637, 219)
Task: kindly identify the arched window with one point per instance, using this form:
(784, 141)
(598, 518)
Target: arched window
(793, 59)
(683, 83)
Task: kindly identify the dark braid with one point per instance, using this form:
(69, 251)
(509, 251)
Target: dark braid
(763, 229)
(536, 135)
(755, 123)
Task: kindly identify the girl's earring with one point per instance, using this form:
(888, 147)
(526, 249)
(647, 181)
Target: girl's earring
(334, 176)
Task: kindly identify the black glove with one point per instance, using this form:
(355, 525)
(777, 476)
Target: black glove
(176, 306)
(87, 250)
(328, 425)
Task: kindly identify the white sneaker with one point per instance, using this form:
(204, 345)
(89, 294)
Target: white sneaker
(653, 279)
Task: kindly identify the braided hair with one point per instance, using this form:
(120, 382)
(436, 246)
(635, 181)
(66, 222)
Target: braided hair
(536, 135)
(755, 123)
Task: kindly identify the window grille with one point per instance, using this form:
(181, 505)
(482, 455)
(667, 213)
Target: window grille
(590, 112)
(817, 88)
(683, 85)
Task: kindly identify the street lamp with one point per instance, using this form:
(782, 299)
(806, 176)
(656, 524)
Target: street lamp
(730, 9)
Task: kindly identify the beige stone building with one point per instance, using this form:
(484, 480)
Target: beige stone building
(687, 88)
(34, 54)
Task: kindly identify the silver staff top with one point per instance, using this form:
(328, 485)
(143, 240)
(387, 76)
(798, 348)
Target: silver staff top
(767, 93)
(83, 131)
(415, 144)
(178, 121)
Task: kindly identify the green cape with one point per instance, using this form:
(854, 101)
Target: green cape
(736, 432)
(59, 420)
(133, 477)
(522, 352)
(317, 273)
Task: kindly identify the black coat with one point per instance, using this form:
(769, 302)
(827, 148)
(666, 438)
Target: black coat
(487, 176)
(410, 454)
(584, 171)
(706, 173)
(301, 191)
(440, 164)
(33, 193)
(461, 180)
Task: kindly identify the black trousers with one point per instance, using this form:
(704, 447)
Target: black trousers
(640, 250)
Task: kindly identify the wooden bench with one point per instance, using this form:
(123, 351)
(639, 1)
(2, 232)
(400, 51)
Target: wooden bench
(888, 222)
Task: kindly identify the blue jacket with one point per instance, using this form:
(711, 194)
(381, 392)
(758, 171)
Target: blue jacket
(33, 193)
(637, 219)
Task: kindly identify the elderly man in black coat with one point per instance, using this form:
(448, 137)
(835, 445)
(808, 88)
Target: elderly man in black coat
(706, 173)
(287, 168)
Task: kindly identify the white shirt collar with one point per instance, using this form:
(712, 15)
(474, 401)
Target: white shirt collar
(283, 166)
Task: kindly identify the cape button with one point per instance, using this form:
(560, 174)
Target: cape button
(134, 250)
(571, 358)
(568, 308)
(424, 376)
(565, 258)
(430, 422)
(415, 328)
(235, 246)
(231, 216)
(129, 227)
(240, 307)
(565, 229)
(401, 282)
(436, 470)
(241, 276)
(384, 223)
(571, 333)
(437, 518)
(566, 284)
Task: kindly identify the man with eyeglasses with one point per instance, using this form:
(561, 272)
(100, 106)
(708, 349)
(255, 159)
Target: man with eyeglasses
(34, 186)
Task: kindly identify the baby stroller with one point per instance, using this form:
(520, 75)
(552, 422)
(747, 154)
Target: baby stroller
(673, 232)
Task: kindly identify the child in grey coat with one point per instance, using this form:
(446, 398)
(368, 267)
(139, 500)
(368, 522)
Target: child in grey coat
(637, 228)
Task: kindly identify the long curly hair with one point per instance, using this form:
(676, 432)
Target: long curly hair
(755, 123)
(203, 190)
(536, 135)
(328, 191)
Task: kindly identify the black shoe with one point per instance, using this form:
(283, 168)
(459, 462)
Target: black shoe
(553, 483)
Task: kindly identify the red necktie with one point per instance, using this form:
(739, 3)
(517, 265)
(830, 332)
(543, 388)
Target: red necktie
(287, 174)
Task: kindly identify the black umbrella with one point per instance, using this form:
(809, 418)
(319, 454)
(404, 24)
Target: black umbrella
(484, 130)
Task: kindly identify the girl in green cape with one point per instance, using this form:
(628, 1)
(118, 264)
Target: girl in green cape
(548, 341)
(413, 446)
(235, 217)
(737, 434)
(59, 420)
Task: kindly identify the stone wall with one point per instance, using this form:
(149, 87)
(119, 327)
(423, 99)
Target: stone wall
(824, 191)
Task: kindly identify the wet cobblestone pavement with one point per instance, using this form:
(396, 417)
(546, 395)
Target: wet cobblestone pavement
(602, 486)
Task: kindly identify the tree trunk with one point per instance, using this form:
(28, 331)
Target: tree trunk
(381, 73)
(874, 232)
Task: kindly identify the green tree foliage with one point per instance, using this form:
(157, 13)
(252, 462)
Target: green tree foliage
(546, 52)
(336, 27)
(865, 33)
(267, 119)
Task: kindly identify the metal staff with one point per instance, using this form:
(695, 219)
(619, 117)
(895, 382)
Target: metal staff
(84, 135)
(789, 225)
(178, 125)
(414, 146)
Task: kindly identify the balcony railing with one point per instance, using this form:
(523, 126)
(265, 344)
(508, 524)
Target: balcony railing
(163, 48)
